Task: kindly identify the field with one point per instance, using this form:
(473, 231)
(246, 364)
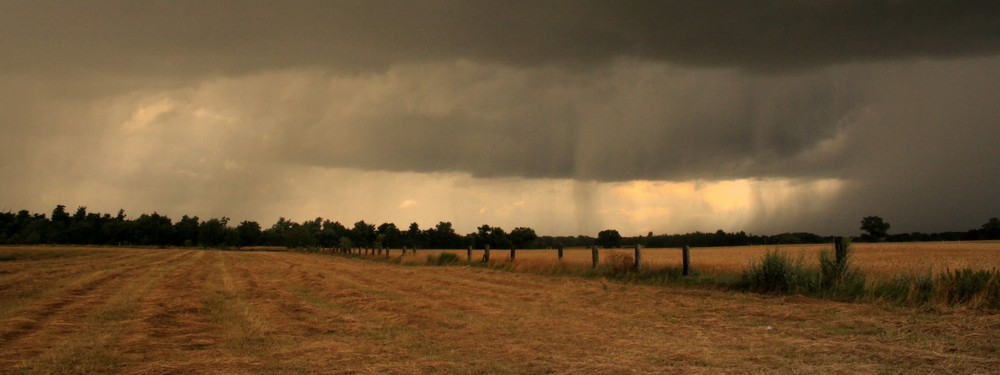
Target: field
(92, 310)
(879, 259)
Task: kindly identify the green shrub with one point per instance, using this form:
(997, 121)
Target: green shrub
(778, 273)
(967, 286)
(906, 289)
(837, 277)
(443, 259)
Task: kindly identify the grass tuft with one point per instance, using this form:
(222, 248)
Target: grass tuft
(777, 272)
(443, 259)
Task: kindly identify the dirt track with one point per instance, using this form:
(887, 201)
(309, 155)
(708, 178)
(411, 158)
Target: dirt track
(192, 311)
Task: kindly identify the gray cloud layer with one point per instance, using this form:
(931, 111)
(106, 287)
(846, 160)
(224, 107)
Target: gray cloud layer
(897, 99)
(197, 37)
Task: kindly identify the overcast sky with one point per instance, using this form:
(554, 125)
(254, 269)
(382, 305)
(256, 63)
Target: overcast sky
(566, 116)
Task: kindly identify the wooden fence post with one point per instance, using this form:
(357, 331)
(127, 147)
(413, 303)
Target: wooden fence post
(512, 253)
(386, 251)
(595, 256)
(560, 250)
(468, 254)
(638, 257)
(486, 254)
(686, 253)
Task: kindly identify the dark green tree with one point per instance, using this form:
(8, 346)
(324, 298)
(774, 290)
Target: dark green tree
(58, 229)
(522, 237)
(299, 236)
(330, 235)
(213, 233)
(315, 228)
(875, 228)
(249, 232)
(363, 234)
(152, 230)
(442, 236)
(609, 238)
(390, 235)
(496, 237)
(991, 230)
(186, 231)
(414, 237)
(275, 235)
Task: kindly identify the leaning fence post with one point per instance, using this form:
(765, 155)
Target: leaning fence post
(594, 255)
(638, 256)
(686, 253)
(560, 251)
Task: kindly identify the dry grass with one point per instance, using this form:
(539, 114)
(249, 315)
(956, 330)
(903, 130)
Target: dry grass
(884, 259)
(188, 311)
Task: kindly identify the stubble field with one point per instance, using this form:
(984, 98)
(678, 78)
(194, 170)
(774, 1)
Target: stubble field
(85, 310)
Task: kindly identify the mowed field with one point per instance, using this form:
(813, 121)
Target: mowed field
(87, 310)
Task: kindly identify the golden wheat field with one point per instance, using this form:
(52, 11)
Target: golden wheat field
(877, 259)
(179, 311)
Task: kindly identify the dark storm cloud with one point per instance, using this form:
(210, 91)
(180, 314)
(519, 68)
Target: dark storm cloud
(634, 121)
(207, 103)
(199, 37)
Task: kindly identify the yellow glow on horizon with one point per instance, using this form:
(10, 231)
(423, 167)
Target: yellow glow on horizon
(728, 195)
(708, 205)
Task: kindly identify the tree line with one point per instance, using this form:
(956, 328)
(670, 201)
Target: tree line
(90, 228)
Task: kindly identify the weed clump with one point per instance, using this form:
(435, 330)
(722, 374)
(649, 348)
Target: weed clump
(971, 287)
(777, 272)
(838, 277)
(618, 264)
(443, 259)
(906, 289)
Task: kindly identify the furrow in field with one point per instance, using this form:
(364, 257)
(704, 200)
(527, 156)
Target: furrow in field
(82, 291)
(343, 327)
(30, 279)
(54, 323)
(185, 323)
(436, 317)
